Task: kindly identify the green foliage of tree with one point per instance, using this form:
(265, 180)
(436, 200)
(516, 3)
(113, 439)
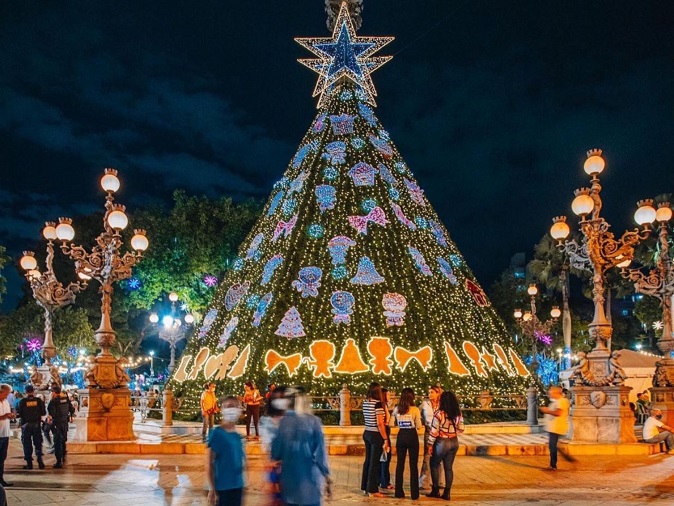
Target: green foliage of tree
(3, 261)
(506, 294)
(648, 310)
(197, 236)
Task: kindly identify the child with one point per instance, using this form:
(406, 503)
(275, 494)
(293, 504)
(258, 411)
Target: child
(225, 458)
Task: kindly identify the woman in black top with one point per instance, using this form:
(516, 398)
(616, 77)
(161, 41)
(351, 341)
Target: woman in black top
(375, 438)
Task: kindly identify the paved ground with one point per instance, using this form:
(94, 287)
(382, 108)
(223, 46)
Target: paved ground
(148, 480)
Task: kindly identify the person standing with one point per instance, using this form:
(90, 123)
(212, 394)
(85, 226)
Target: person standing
(443, 442)
(556, 421)
(385, 465)
(376, 440)
(408, 419)
(60, 411)
(225, 458)
(299, 448)
(655, 431)
(6, 415)
(31, 410)
(276, 406)
(252, 399)
(428, 408)
(209, 406)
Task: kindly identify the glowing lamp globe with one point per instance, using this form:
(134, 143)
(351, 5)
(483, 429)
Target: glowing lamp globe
(173, 297)
(664, 213)
(518, 313)
(118, 220)
(154, 318)
(527, 316)
(34, 273)
(110, 181)
(595, 163)
(532, 290)
(189, 319)
(28, 262)
(49, 231)
(555, 312)
(167, 321)
(139, 241)
(582, 205)
(624, 264)
(560, 229)
(65, 230)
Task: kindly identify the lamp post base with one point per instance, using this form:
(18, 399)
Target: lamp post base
(532, 406)
(601, 414)
(105, 415)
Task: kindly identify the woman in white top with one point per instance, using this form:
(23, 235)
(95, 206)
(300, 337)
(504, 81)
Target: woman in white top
(408, 418)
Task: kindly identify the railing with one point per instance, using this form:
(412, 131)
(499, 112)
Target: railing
(343, 403)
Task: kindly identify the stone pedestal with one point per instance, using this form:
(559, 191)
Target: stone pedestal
(105, 415)
(602, 414)
(663, 398)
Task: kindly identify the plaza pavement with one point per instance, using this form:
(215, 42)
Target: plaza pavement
(149, 480)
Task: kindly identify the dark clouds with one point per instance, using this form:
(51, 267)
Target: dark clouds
(492, 104)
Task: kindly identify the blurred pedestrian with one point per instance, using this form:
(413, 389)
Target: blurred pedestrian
(376, 440)
(277, 405)
(209, 406)
(443, 442)
(299, 448)
(6, 415)
(408, 419)
(31, 411)
(428, 408)
(556, 421)
(225, 458)
(252, 399)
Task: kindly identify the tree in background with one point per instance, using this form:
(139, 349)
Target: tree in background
(3, 261)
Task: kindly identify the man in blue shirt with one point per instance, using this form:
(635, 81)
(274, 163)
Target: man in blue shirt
(225, 458)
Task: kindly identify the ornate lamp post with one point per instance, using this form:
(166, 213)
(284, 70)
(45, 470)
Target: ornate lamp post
(108, 414)
(659, 283)
(534, 329)
(50, 294)
(600, 369)
(172, 329)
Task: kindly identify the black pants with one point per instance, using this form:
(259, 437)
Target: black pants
(4, 445)
(232, 497)
(552, 445)
(385, 473)
(254, 413)
(444, 451)
(408, 441)
(60, 438)
(374, 445)
(31, 436)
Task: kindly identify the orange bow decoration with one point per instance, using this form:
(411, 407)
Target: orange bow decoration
(273, 360)
(403, 357)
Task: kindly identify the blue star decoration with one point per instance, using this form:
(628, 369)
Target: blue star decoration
(344, 56)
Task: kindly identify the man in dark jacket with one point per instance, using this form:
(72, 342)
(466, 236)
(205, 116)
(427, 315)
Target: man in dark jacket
(31, 410)
(60, 411)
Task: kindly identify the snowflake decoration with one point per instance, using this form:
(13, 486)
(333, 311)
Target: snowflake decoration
(33, 345)
(400, 167)
(237, 265)
(251, 302)
(288, 207)
(210, 281)
(134, 283)
(358, 143)
(339, 272)
(330, 173)
(315, 231)
(394, 194)
(384, 135)
(368, 205)
(658, 325)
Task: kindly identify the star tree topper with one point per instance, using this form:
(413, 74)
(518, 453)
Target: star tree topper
(344, 55)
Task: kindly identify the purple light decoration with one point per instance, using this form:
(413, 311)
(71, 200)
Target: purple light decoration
(33, 345)
(544, 338)
(210, 281)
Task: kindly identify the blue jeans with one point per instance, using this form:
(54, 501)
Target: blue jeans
(374, 446)
(665, 436)
(552, 446)
(385, 474)
(444, 450)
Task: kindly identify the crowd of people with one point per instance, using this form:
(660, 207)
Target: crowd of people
(292, 437)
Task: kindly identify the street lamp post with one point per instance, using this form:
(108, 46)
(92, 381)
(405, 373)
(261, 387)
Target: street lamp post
(172, 329)
(659, 283)
(533, 328)
(601, 369)
(152, 364)
(50, 294)
(108, 415)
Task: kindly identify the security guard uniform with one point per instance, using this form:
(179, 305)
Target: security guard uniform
(31, 410)
(60, 409)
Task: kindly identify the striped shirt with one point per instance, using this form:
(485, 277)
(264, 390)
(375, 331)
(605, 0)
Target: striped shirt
(371, 410)
(444, 427)
(410, 420)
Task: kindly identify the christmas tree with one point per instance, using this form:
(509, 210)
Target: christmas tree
(349, 276)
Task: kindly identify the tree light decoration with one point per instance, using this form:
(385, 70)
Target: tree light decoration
(33, 344)
(210, 281)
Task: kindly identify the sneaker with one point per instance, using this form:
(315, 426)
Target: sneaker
(550, 468)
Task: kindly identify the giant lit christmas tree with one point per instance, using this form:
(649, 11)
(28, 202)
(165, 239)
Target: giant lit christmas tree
(349, 276)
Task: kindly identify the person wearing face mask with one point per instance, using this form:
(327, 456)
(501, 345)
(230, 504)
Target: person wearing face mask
(277, 405)
(556, 421)
(656, 431)
(428, 408)
(209, 407)
(225, 458)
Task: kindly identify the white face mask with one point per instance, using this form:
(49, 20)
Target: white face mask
(280, 404)
(231, 415)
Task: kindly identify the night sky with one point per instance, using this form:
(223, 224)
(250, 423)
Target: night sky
(492, 104)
